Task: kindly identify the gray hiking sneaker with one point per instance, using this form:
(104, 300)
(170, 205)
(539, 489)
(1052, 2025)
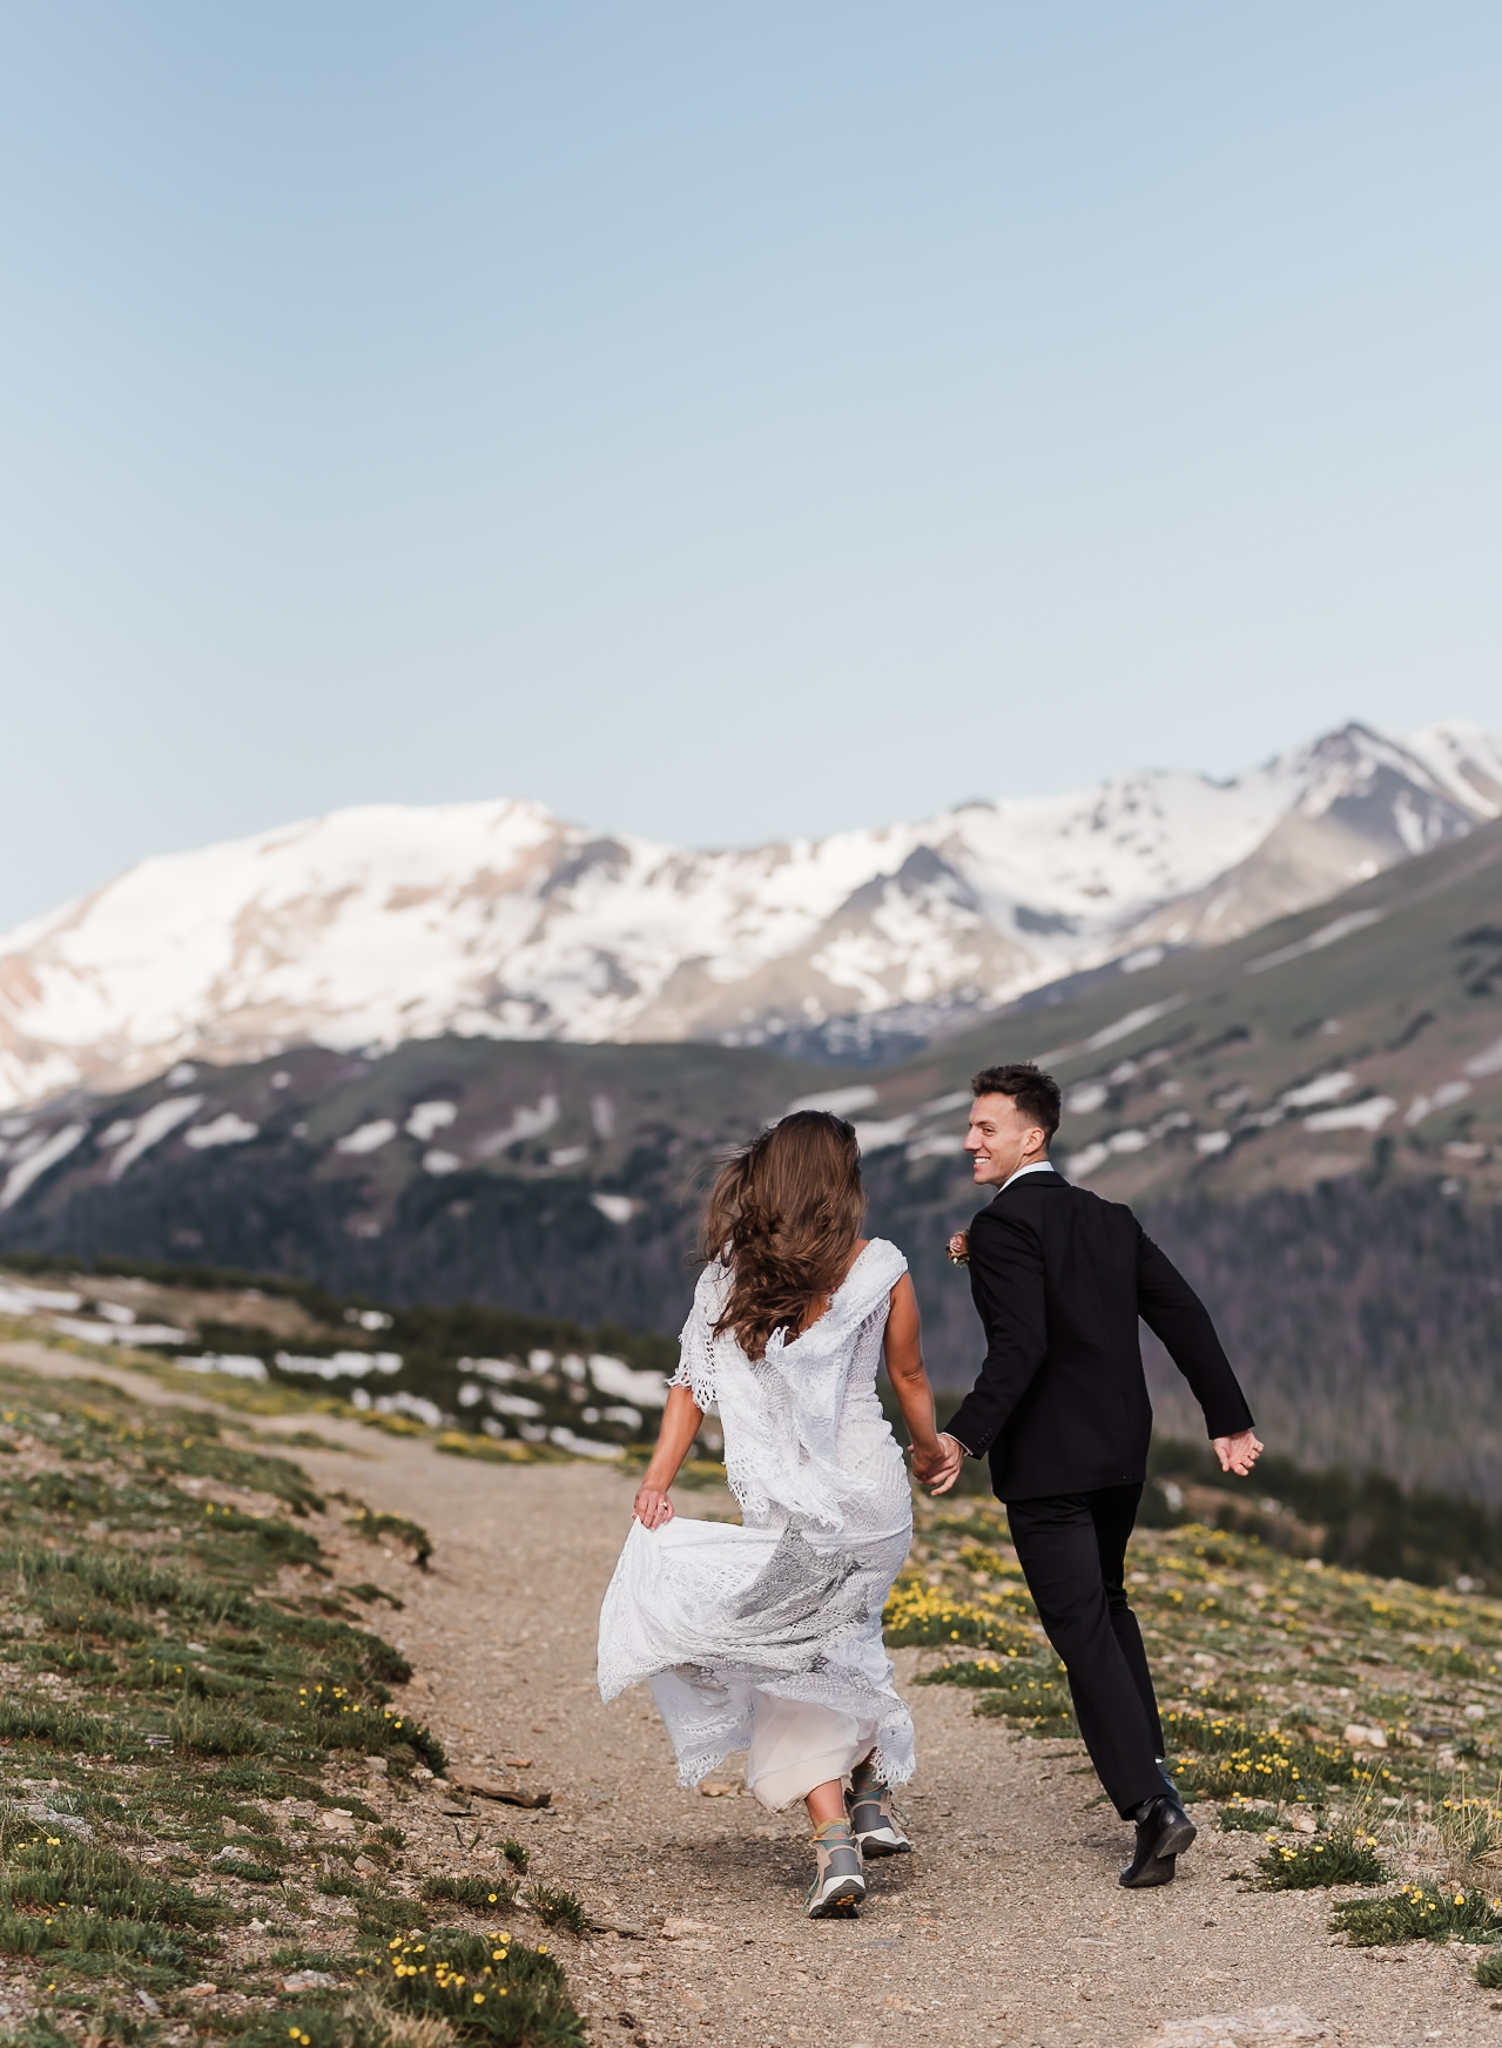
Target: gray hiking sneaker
(840, 1885)
(869, 1805)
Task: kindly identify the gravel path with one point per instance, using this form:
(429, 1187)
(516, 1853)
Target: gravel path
(1006, 1926)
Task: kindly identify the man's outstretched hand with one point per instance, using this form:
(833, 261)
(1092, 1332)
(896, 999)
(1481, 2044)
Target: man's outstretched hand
(1238, 1453)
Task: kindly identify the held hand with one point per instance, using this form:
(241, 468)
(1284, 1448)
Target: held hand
(1238, 1453)
(938, 1466)
(652, 1507)
(954, 1458)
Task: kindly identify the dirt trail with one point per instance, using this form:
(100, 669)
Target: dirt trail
(1006, 1926)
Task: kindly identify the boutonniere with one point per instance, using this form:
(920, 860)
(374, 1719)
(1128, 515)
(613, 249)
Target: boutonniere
(959, 1248)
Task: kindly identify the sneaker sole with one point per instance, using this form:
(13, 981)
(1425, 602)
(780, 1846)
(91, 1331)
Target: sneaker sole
(877, 1846)
(841, 1902)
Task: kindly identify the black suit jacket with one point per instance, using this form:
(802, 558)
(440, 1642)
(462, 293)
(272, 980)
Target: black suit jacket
(1060, 1277)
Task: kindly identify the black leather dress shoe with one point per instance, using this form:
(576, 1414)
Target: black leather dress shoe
(1164, 1832)
(1142, 1877)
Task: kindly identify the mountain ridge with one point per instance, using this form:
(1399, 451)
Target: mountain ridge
(374, 926)
(1308, 1119)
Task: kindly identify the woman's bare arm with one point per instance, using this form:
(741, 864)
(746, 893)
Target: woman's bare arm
(903, 1347)
(680, 1425)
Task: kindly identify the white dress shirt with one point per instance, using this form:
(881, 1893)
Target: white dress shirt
(1038, 1166)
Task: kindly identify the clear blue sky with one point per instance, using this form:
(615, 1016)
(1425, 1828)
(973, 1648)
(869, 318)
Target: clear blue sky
(728, 421)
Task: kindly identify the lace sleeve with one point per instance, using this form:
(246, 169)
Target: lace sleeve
(696, 1352)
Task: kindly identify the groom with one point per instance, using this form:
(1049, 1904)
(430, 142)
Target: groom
(1061, 1407)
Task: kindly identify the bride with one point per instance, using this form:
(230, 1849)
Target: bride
(767, 1637)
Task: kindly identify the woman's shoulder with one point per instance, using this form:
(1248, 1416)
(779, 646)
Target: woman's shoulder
(882, 1246)
(879, 1261)
(712, 1284)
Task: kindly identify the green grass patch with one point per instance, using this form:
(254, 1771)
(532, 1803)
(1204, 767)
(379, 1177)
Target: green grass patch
(1042, 1706)
(461, 1443)
(295, 1955)
(982, 1673)
(60, 1727)
(1033, 1692)
(1218, 1757)
(488, 1989)
(200, 1678)
(556, 1907)
(370, 1593)
(1245, 1820)
(478, 1894)
(374, 1528)
(1419, 1912)
(1346, 1856)
(924, 1616)
(1489, 1970)
(50, 1871)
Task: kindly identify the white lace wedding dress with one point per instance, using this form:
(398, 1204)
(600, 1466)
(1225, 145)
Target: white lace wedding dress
(767, 1637)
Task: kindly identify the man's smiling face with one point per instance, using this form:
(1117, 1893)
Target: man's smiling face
(1001, 1139)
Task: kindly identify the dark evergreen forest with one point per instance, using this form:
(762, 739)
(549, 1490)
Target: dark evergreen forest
(1365, 1317)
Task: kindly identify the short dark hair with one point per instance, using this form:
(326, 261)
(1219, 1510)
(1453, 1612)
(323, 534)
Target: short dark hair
(1035, 1093)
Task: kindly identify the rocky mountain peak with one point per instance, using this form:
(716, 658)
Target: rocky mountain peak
(384, 923)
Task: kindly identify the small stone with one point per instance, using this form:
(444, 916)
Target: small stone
(200, 1991)
(678, 1930)
(1361, 1736)
(507, 1795)
(307, 1980)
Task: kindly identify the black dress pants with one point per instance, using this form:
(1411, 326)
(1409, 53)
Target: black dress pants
(1072, 1549)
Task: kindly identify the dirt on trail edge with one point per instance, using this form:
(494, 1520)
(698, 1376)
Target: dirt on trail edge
(1005, 1926)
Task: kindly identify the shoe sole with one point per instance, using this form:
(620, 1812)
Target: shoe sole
(874, 1846)
(1162, 1870)
(841, 1903)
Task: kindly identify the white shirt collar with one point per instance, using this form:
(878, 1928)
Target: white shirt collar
(1038, 1166)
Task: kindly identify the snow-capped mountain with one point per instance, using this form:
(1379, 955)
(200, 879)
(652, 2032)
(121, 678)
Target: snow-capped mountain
(385, 923)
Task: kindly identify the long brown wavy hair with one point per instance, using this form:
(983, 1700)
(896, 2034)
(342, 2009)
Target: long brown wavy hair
(784, 1216)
